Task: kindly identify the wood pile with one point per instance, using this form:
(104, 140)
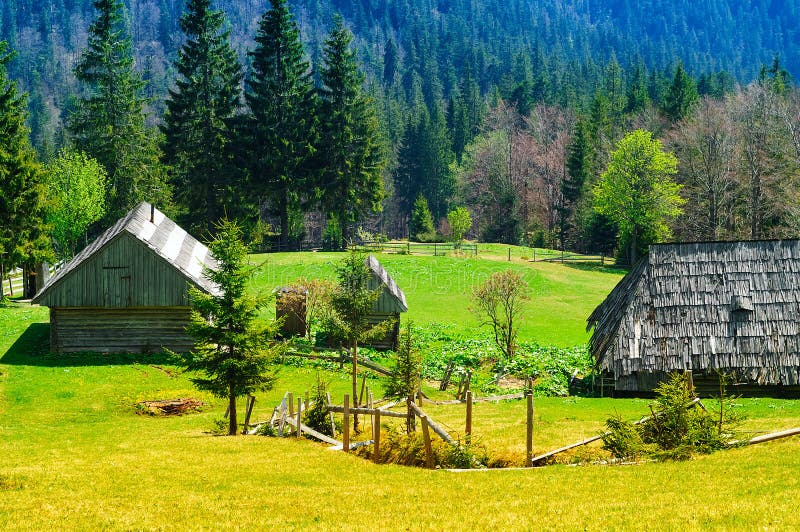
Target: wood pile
(169, 407)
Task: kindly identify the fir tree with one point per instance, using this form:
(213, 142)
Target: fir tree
(421, 224)
(197, 123)
(234, 350)
(23, 237)
(681, 96)
(579, 167)
(280, 130)
(108, 123)
(350, 145)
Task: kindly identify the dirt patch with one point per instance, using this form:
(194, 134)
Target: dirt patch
(169, 407)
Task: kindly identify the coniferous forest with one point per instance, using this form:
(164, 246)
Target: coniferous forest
(328, 121)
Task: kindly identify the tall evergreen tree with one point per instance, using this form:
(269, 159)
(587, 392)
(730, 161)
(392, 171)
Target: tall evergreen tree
(350, 144)
(197, 123)
(108, 123)
(23, 240)
(280, 131)
(681, 96)
(579, 168)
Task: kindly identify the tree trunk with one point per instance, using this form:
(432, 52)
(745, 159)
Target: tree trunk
(232, 421)
(355, 385)
(634, 245)
(283, 243)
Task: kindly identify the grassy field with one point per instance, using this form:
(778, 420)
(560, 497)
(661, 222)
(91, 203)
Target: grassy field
(74, 454)
(438, 288)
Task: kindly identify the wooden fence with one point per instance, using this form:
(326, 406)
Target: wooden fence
(420, 248)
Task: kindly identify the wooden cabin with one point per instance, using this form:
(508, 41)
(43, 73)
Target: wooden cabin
(390, 304)
(731, 307)
(128, 290)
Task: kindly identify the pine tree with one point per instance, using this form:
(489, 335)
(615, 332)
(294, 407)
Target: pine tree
(350, 145)
(108, 123)
(421, 224)
(681, 96)
(23, 237)
(197, 123)
(281, 128)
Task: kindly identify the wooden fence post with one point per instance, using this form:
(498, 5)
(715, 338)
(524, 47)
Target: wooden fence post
(376, 436)
(305, 406)
(251, 400)
(299, 417)
(426, 437)
(529, 434)
(333, 420)
(468, 430)
(291, 404)
(346, 426)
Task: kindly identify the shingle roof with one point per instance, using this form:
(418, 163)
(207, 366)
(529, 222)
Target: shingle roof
(166, 238)
(380, 273)
(732, 306)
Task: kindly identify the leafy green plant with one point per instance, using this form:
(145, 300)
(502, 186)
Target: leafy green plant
(317, 416)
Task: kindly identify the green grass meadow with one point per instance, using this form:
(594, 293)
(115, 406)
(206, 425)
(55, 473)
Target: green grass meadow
(74, 454)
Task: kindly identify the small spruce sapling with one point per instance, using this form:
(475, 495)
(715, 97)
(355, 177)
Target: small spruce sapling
(234, 351)
(404, 381)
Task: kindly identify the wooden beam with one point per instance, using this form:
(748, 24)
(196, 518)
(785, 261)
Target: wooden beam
(369, 411)
(433, 425)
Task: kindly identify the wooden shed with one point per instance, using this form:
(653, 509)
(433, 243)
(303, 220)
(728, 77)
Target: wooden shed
(128, 290)
(706, 307)
(390, 304)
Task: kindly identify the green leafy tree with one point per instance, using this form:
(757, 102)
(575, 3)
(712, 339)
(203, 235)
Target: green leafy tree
(76, 186)
(23, 235)
(352, 302)
(498, 303)
(108, 121)
(681, 96)
(350, 149)
(234, 350)
(460, 222)
(197, 123)
(421, 224)
(637, 193)
(404, 382)
(280, 132)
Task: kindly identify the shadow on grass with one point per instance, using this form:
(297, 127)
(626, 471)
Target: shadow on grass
(595, 267)
(32, 348)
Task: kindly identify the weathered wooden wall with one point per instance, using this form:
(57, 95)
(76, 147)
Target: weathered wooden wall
(131, 330)
(125, 273)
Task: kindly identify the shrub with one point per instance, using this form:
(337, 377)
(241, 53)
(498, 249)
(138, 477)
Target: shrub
(317, 417)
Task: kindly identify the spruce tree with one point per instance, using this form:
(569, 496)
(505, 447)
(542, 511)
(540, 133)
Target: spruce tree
(579, 167)
(108, 122)
(23, 238)
(197, 123)
(350, 144)
(281, 128)
(681, 96)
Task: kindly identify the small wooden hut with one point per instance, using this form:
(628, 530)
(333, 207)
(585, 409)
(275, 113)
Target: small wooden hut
(127, 290)
(731, 307)
(390, 304)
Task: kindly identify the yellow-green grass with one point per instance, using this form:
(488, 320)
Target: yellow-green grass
(74, 455)
(438, 288)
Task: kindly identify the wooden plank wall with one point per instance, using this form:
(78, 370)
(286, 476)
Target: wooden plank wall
(139, 330)
(126, 273)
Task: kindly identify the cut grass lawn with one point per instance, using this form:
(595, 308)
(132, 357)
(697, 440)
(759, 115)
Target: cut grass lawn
(75, 455)
(438, 288)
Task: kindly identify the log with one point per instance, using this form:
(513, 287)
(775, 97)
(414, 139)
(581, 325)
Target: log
(353, 446)
(386, 413)
(468, 429)
(311, 432)
(774, 436)
(433, 425)
(376, 435)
